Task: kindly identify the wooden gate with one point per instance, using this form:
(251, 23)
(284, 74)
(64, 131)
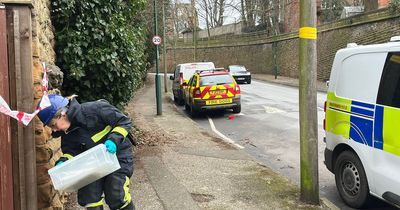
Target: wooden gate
(18, 190)
(6, 182)
(19, 42)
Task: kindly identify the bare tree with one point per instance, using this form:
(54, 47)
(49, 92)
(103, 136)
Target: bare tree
(250, 7)
(212, 12)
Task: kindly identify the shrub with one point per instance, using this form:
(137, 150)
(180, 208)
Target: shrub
(100, 47)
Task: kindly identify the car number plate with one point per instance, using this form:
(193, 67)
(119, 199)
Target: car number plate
(240, 78)
(219, 101)
(217, 92)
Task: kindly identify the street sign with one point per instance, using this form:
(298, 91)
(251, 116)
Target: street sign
(156, 40)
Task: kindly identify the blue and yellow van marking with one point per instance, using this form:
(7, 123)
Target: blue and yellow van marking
(391, 130)
(373, 125)
(378, 125)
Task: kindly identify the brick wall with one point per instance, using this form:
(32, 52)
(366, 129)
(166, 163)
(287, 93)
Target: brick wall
(47, 149)
(255, 51)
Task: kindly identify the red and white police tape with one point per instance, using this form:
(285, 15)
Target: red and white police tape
(26, 118)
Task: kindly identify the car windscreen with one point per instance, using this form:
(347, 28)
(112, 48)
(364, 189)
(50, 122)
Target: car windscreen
(236, 68)
(189, 70)
(215, 80)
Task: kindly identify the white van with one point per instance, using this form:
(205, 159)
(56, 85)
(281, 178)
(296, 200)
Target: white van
(362, 123)
(183, 72)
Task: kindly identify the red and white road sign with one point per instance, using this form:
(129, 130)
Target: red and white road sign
(156, 40)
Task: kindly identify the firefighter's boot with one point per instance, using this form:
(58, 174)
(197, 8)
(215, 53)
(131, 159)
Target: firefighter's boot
(129, 207)
(95, 208)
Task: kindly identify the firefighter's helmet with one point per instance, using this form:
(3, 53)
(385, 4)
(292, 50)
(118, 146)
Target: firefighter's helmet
(57, 102)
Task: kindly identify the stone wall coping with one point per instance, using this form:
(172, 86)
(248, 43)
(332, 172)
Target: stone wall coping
(29, 2)
(262, 37)
(373, 16)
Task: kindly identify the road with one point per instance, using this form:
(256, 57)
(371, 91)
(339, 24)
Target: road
(268, 130)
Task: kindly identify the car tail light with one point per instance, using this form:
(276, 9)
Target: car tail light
(196, 93)
(181, 78)
(325, 106)
(237, 89)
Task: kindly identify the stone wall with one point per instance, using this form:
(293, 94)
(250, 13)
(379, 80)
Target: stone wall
(256, 51)
(47, 149)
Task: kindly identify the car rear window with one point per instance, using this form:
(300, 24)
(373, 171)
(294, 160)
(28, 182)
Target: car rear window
(236, 68)
(215, 80)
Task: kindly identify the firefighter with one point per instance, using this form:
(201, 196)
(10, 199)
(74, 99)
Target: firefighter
(83, 126)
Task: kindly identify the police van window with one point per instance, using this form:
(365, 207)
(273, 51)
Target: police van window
(360, 75)
(194, 81)
(389, 90)
(177, 72)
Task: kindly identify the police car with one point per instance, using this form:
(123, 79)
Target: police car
(362, 123)
(210, 90)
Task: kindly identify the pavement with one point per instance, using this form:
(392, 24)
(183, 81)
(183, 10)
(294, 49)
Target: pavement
(181, 166)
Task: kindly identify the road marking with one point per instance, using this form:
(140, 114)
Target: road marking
(272, 110)
(222, 135)
(320, 108)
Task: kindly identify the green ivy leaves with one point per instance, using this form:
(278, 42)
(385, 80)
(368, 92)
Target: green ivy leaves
(100, 47)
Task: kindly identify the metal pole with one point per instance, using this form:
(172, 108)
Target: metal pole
(309, 191)
(158, 80)
(274, 49)
(275, 44)
(164, 50)
(194, 30)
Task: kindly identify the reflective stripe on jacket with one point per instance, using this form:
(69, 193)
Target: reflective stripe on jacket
(92, 123)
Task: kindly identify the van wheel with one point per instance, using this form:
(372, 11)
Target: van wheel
(351, 180)
(249, 81)
(237, 109)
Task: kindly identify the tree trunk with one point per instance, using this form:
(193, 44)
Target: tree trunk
(242, 13)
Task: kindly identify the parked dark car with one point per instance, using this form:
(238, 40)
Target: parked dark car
(240, 73)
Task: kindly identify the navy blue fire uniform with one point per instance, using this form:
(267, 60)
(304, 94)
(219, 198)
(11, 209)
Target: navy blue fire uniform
(93, 123)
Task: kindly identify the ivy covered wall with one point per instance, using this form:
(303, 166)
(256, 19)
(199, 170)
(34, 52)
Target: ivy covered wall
(100, 47)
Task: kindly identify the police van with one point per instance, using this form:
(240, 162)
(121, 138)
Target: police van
(362, 123)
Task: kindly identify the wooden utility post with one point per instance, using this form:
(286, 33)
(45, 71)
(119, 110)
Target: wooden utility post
(308, 103)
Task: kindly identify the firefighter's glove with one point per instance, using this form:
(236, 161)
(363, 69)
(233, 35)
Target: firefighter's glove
(59, 163)
(111, 146)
